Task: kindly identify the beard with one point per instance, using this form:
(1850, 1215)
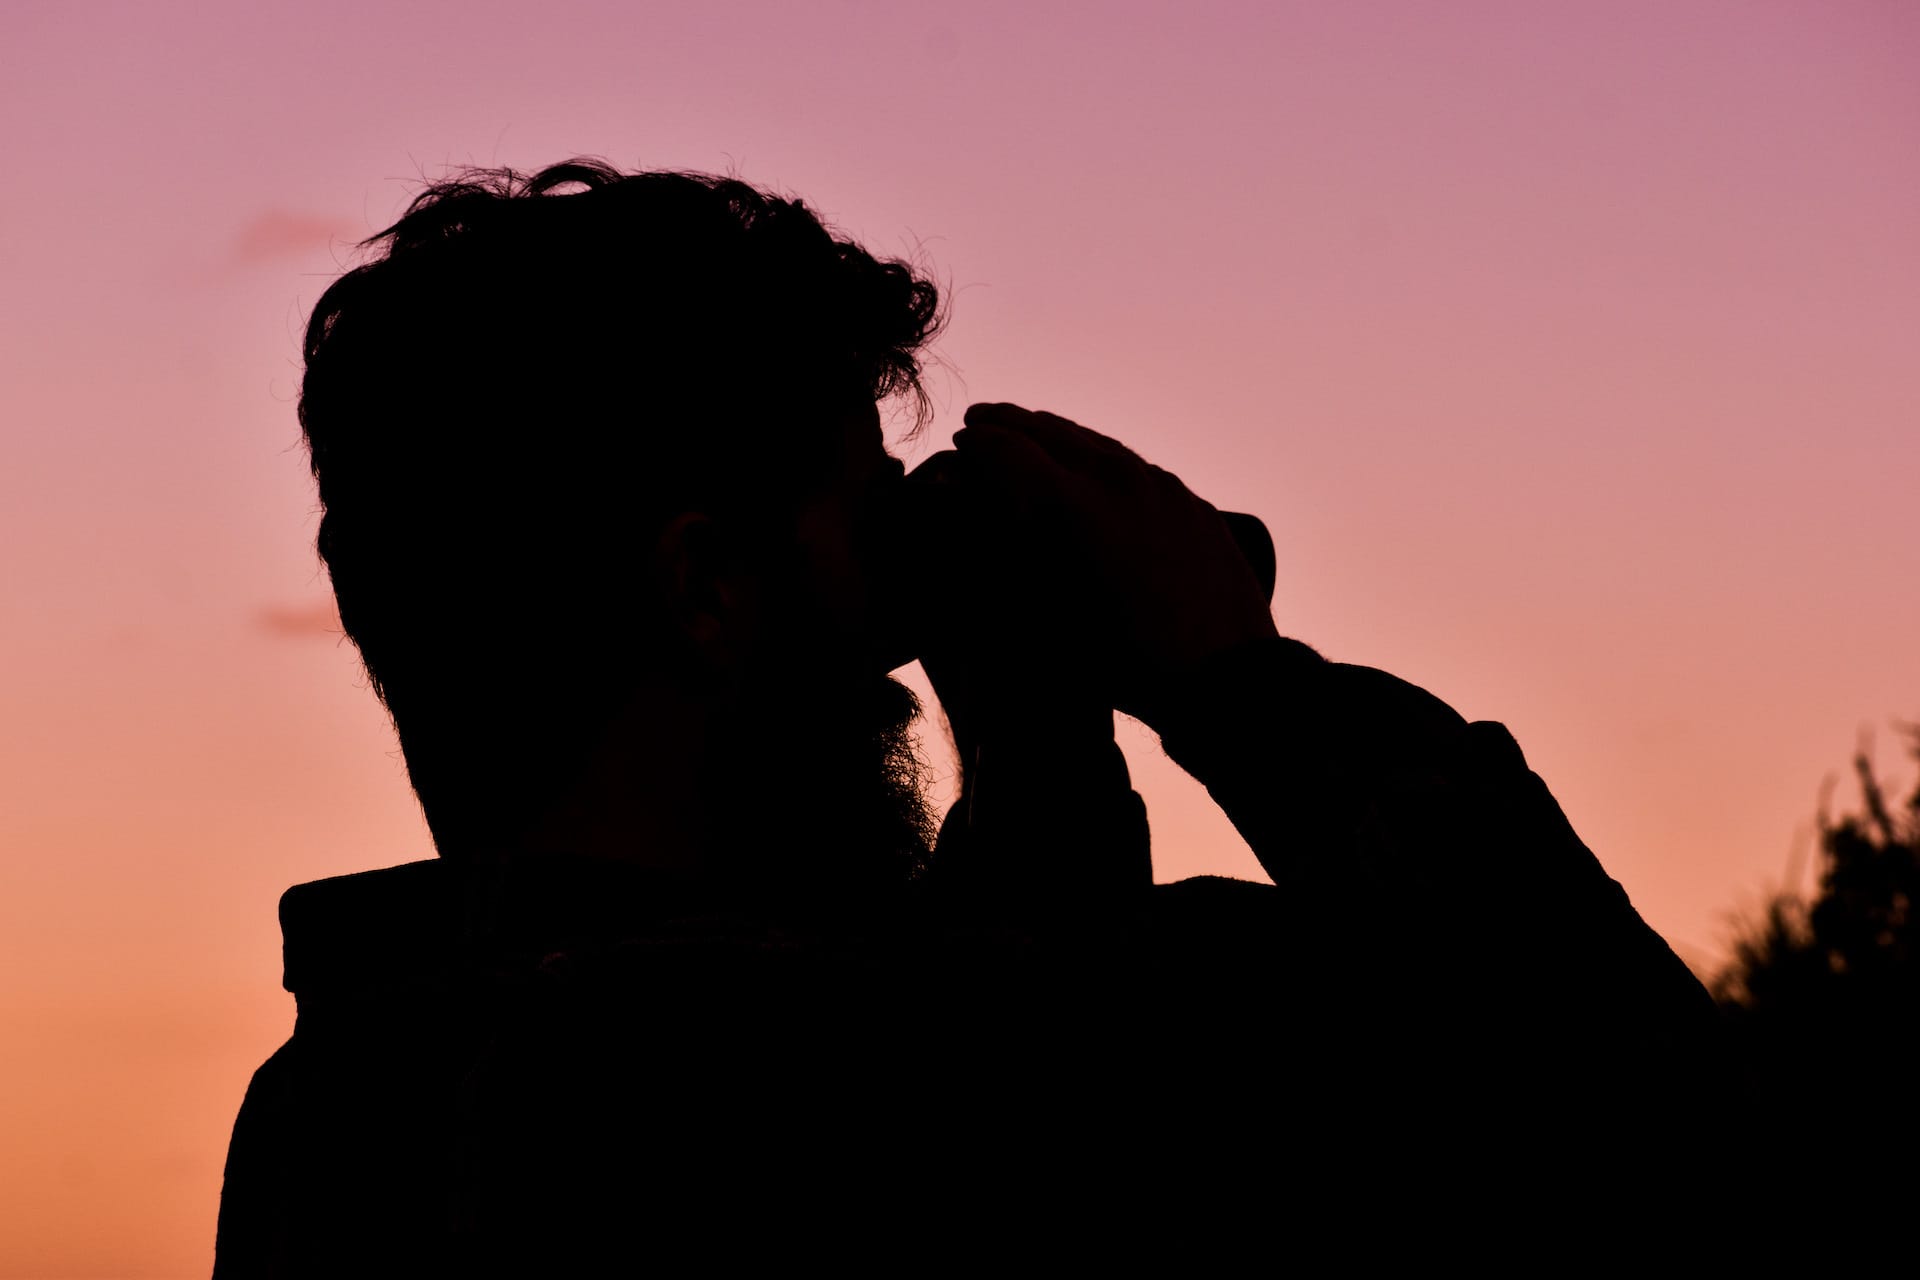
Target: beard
(821, 785)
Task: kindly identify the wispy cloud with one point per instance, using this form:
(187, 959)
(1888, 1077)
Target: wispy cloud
(300, 621)
(278, 233)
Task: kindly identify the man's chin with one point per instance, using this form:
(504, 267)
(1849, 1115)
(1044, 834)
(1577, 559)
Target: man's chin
(825, 787)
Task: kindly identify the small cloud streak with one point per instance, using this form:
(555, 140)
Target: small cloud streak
(300, 621)
(280, 234)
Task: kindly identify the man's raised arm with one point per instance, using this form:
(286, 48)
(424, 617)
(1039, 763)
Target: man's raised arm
(1357, 790)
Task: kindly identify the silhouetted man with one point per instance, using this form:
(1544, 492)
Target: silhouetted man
(609, 515)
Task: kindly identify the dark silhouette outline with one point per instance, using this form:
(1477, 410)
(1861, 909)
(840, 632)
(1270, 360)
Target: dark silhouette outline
(1822, 994)
(608, 514)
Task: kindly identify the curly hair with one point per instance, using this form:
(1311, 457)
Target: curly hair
(528, 378)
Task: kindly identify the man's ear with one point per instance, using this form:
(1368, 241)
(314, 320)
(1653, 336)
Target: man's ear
(709, 596)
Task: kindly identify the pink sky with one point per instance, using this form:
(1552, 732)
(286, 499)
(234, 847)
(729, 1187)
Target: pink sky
(1572, 353)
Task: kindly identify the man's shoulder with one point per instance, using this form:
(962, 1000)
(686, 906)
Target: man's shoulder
(400, 878)
(430, 920)
(1219, 902)
(1222, 892)
(350, 925)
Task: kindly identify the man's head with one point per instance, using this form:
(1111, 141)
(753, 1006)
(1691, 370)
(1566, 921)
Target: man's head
(582, 435)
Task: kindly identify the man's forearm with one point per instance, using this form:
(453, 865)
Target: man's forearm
(1352, 784)
(1046, 808)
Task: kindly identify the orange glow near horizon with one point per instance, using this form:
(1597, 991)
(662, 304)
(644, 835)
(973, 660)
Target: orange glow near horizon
(1572, 357)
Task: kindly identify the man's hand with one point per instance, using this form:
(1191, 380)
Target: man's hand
(1080, 560)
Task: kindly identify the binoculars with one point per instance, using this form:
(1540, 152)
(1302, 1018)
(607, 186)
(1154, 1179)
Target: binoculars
(932, 523)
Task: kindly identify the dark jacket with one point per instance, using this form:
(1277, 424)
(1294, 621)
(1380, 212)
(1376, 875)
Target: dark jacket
(560, 1066)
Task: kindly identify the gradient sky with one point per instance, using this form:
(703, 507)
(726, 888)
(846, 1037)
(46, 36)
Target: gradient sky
(1571, 352)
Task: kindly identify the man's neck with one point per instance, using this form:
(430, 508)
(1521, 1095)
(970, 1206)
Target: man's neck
(638, 799)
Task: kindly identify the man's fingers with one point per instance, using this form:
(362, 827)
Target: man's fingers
(1009, 462)
(1089, 553)
(1063, 437)
(1070, 444)
(996, 414)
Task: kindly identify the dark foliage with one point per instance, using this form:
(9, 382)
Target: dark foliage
(1822, 994)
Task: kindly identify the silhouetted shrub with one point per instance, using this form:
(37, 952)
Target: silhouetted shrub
(1821, 995)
